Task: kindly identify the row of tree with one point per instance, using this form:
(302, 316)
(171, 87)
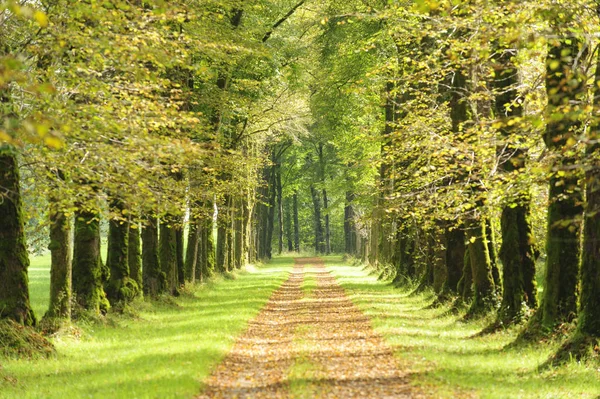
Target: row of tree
(483, 112)
(156, 118)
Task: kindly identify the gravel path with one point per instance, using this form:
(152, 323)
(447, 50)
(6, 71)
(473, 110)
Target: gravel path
(311, 342)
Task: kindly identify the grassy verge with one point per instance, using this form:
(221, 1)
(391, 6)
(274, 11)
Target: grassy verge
(166, 350)
(443, 355)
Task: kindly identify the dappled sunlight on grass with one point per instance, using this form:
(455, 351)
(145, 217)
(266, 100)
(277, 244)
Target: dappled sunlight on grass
(166, 351)
(446, 352)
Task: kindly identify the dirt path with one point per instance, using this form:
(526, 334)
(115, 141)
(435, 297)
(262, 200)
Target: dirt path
(309, 341)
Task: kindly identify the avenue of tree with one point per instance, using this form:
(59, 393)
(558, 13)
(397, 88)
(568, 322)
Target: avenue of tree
(452, 145)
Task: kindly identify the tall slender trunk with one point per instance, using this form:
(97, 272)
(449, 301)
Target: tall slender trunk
(222, 249)
(349, 225)
(191, 254)
(155, 280)
(289, 234)
(135, 254)
(296, 224)
(61, 263)
(180, 251)
(588, 321)
(327, 229)
(518, 252)
(483, 281)
(279, 210)
(14, 259)
(455, 257)
(270, 216)
(319, 242)
(238, 226)
(88, 272)
(168, 253)
(564, 86)
(120, 287)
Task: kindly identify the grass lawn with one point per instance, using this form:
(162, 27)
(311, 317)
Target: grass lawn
(164, 351)
(442, 353)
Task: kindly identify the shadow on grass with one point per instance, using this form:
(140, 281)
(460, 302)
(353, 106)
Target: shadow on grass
(165, 352)
(447, 353)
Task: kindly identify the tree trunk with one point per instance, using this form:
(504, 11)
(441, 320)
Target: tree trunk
(518, 252)
(238, 224)
(168, 253)
(135, 254)
(191, 254)
(155, 280)
(180, 252)
(14, 259)
(61, 263)
(296, 224)
(565, 210)
(588, 321)
(289, 234)
(440, 273)
(465, 284)
(279, 210)
(511, 309)
(222, 250)
(319, 242)
(327, 229)
(119, 287)
(88, 271)
(455, 257)
(349, 225)
(271, 214)
(491, 246)
(483, 281)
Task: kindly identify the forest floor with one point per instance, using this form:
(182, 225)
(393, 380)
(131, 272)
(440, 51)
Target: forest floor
(310, 341)
(290, 329)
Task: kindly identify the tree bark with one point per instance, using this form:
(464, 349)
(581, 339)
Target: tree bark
(279, 210)
(455, 257)
(565, 210)
(120, 287)
(180, 252)
(155, 280)
(319, 242)
(88, 272)
(134, 254)
(14, 259)
(483, 281)
(61, 263)
(289, 234)
(168, 253)
(191, 254)
(327, 229)
(296, 224)
(349, 225)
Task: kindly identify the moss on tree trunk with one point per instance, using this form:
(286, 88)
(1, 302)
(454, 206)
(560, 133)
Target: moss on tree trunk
(89, 274)
(168, 253)
(120, 288)
(180, 251)
(455, 257)
(483, 281)
(155, 280)
(14, 260)
(513, 298)
(134, 254)
(61, 264)
(565, 86)
(191, 253)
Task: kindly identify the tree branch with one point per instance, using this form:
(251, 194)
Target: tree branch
(282, 20)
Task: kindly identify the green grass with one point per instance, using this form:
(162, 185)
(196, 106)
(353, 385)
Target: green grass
(444, 356)
(39, 284)
(166, 351)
